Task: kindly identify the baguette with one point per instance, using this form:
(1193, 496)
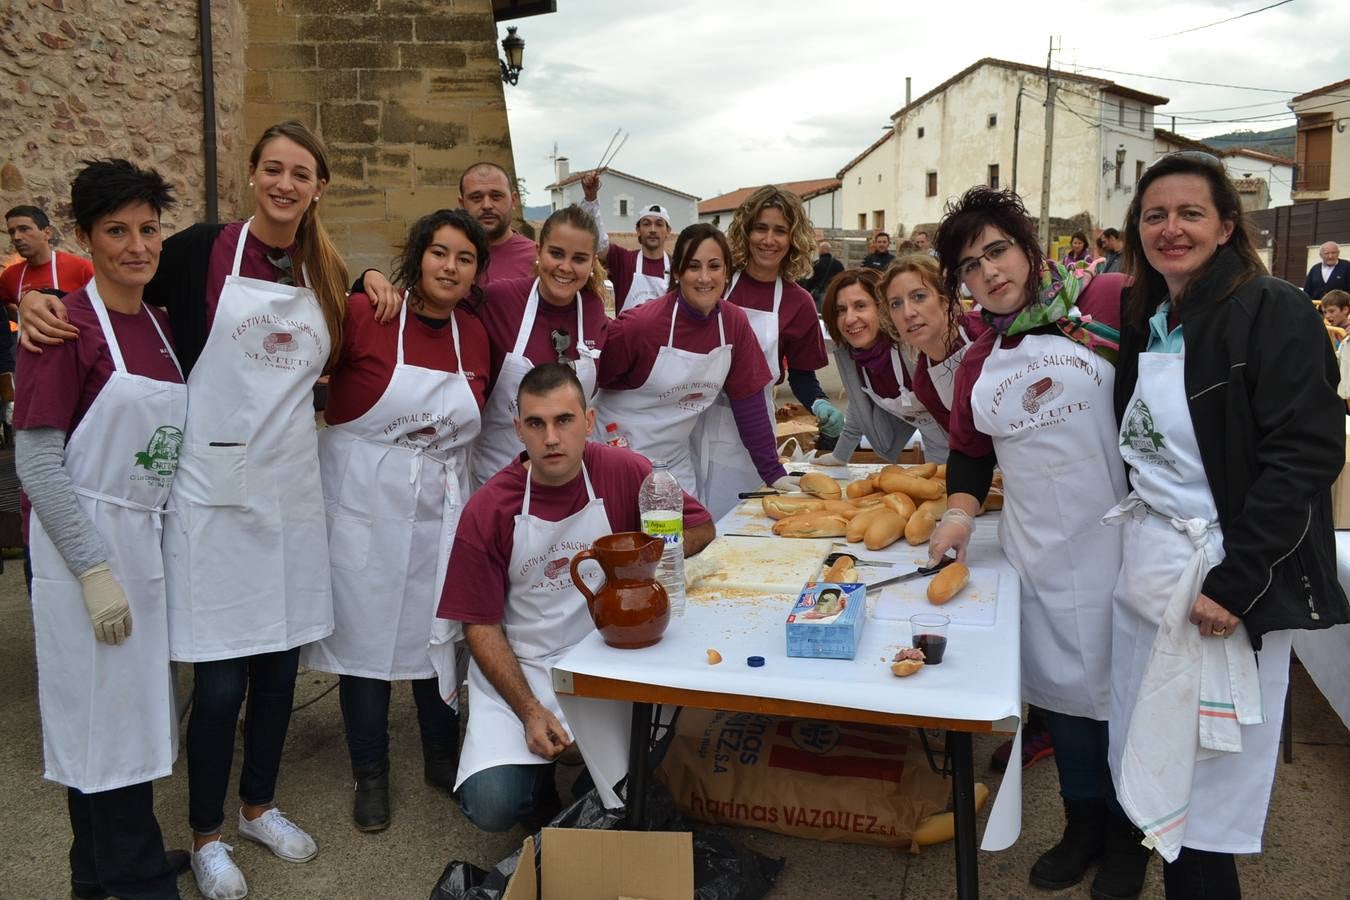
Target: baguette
(860, 488)
(941, 826)
(839, 508)
(857, 526)
(883, 530)
(948, 583)
(823, 486)
(923, 470)
(780, 506)
(810, 525)
(936, 507)
(920, 527)
(992, 502)
(941, 471)
(901, 503)
(844, 570)
(869, 501)
(918, 488)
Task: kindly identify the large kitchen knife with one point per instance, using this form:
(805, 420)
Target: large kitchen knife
(921, 572)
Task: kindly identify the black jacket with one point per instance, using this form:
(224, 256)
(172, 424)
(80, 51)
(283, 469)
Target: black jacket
(1261, 386)
(1339, 279)
(179, 286)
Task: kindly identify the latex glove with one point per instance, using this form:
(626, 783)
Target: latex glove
(831, 420)
(384, 297)
(787, 483)
(953, 532)
(107, 604)
(828, 459)
(42, 320)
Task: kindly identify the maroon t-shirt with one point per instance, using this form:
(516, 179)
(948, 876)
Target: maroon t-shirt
(636, 336)
(503, 310)
(621, 263)
(253, 265)
(370, 350)
(799, 337)
(476, 583)
(511, 259)
(1100, 299)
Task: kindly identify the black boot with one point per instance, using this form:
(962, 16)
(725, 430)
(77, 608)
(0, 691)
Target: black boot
(439, 765)
(370, 808)
(1064, 864)
(1201, 875)
(1120, 876)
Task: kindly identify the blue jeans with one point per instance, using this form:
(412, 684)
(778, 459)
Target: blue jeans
(365, 713)
(268, 680)
(117, 845)
(1080, 756)
(499, 798)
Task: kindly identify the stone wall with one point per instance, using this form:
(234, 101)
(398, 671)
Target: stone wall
(85, 78)
(405, 93)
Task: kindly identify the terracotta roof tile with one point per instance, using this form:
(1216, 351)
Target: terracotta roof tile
(577, 176)
(803, 189)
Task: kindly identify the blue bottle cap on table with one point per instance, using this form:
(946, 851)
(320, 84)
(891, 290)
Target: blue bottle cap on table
(754, 662)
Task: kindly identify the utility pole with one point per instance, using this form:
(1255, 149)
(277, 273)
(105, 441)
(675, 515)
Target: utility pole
(1017, 131)
(1049, 147)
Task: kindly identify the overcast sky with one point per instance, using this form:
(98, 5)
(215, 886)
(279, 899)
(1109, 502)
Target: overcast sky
(721, 94)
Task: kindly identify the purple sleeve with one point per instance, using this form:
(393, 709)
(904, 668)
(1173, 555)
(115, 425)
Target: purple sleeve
(752, 421)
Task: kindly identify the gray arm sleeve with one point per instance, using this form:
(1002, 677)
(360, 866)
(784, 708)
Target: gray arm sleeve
(40, 456)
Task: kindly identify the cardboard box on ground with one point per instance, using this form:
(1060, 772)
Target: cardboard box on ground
(581, 864)
(1340, 491)
(829, 781)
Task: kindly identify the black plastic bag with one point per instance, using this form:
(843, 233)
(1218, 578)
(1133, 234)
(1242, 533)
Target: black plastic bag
(723, 869)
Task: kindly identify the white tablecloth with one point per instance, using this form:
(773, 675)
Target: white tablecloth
(978, 679)
(1326, 653)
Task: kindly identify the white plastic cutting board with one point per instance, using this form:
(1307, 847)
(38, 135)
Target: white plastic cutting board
(977, 604)
(772, 565)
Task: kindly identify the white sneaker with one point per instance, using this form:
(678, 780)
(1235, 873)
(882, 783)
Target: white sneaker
(280, 835)
(218, 878)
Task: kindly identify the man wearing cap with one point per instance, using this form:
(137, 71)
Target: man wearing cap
(637, 275)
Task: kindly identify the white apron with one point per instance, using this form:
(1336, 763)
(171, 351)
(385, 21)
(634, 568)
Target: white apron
(1047, 405)
(545, 617)
(646, 287)
(245, 546)
(108, 716)
(394, 482)
(721, 462)
(908, 408)
(1229, 793)
(943, 374)
(497, 444)
(659, 417)
(56, 282)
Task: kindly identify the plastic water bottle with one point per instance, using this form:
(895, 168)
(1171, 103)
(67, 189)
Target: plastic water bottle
(661, 507)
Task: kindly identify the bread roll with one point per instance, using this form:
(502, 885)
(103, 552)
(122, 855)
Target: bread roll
(941, 471)
(778, 507)
(844, 570)
(811, 525)
(917, 488)
(901, 503)
(883, 530)
(860, 488)
(923, 470)
(936, 507)
(823, 486)
(857, 526)
(869, 501)
(906, 667)
(992, 502)
(839, 508)
(920, 527)
(948, 583)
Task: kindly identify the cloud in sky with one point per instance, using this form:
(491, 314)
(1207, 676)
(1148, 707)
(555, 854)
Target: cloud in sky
(720, 94)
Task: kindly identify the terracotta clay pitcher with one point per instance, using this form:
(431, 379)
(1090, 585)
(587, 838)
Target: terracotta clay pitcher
(630, 609)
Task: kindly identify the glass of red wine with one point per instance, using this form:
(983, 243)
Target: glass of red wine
(928, 632)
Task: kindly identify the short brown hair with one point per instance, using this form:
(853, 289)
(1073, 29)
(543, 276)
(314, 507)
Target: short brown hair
(829, 307)
(926, 267)
(690, 239)
(1336, 298)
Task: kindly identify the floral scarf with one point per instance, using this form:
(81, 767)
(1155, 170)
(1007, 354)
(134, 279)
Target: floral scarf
(1056, 295)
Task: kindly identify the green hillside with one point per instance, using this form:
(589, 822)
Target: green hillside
(1280, 141)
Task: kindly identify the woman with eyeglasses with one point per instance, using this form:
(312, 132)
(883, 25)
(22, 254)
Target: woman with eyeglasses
(557, 316)
(256, 309)
(1233, 433)
(668, 359)
(1034, 393)
(404, 405)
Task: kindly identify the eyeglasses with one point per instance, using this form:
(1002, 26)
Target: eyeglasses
(970, 266)
(1200, 156)
(281, 261)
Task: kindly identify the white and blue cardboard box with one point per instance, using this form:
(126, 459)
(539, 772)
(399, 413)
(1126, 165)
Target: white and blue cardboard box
(827, 620)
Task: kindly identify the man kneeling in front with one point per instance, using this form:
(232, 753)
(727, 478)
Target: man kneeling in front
(509, 584)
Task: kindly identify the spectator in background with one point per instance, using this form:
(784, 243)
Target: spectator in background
(1078, 249)
(637, 275)
(1333, 274)
(924, 241)
(881, 255)
(822, 272)
(1113, 244)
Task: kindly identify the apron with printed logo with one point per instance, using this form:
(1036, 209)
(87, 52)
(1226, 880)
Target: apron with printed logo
(659, 417)
(1230, 792)
(1048, 407)
(245, 543)
(497, 444)
(394, 481)
(721, 462)
(545, 616)
(908, 408)
(108, 714)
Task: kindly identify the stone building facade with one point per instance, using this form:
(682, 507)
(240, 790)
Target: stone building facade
(406, 93)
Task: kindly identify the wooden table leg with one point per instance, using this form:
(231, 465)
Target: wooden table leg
(639, 746)
(960, 746)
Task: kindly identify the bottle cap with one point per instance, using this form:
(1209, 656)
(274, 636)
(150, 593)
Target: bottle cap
(754, 662)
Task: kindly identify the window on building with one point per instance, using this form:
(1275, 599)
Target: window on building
(862, 221)
(991, 121)
(920, 131)
(1313, 152)
(878, 220)
(1121, 121)
(1138, 170)
(993, 176)
(878, 176)
(859, 179)
(623, 207)
(1120, 170)
(930, 189)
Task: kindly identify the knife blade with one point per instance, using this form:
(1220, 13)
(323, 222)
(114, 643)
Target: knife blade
(921, 572)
